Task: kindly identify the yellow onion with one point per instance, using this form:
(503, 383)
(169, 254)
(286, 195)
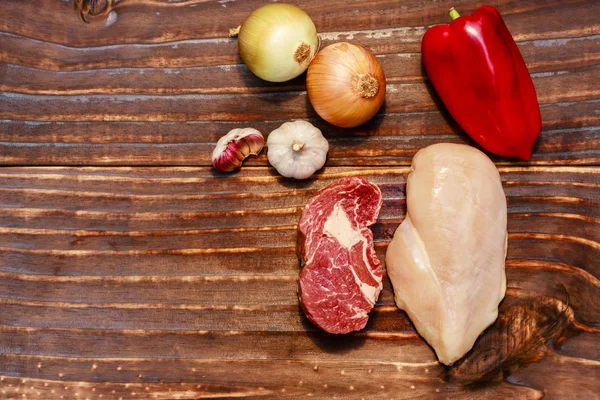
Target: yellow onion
(277, 42)
(346, 84)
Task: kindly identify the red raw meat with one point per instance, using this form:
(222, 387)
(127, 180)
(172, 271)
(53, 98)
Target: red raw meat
(341, 276)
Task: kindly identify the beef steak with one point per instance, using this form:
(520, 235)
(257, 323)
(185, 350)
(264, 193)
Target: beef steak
(341, 276)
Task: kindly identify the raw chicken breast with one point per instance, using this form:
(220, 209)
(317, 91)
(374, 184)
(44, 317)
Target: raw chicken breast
(446, 260)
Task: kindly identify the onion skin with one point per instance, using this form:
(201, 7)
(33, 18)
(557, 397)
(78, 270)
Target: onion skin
(345, 84)
(277, 42)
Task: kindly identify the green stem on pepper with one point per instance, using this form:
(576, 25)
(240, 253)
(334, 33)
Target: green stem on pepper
(453, 14)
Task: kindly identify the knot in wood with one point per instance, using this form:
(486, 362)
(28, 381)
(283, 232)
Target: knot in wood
(89, 9)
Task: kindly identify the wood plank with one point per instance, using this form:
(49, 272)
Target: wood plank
(144, 277)
(544, 315)
(111, 220)
(268, 305)
(389, 140)
(109, 97)
(400, 98)
(156, 22)
(400, 67)
(82, 375)
(355, 380)
(172, 282)
(575, 28)
(585, 385)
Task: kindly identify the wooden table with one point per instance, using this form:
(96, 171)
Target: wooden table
(130, 269)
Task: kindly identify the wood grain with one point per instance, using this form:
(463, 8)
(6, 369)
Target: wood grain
(143, 91)
(181, 283)
(129, 269)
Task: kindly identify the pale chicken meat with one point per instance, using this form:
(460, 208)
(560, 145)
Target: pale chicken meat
(446, 260)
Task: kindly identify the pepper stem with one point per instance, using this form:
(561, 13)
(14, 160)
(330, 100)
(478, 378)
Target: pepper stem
(453, 14)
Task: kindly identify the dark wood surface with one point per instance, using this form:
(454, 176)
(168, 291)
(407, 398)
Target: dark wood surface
(130, 269)
(163, 82)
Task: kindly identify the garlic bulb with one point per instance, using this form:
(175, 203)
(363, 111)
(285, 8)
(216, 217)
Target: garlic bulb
(277, 42)
(233, 148)
(297, 149)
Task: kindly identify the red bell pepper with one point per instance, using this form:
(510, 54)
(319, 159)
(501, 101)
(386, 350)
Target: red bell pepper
(479, 73)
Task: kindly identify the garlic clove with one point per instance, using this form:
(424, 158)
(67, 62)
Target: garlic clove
(233, 148)
(297, 149)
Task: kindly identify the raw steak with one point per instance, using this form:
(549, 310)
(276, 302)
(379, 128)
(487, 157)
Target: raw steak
(341, 278)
